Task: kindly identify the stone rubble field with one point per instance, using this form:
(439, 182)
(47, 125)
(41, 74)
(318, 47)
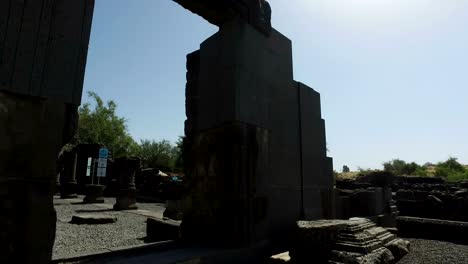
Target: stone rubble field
(128, 230)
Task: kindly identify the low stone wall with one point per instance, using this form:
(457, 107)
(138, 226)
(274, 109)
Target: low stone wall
(427, 197)
(432, 200)
(434, 229)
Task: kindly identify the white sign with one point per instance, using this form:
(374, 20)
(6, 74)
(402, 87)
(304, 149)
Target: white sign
(88, 168)
(101, 172)
(102, 163)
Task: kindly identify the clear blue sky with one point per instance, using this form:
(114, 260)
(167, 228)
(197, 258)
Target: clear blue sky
(393, 74)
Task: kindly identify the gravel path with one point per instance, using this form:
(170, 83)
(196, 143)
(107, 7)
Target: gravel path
(71, 239)
(435, 252)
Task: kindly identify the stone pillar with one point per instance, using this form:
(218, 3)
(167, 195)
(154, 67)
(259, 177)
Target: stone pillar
(69, 185)
(57, 182)
(43, 51)
(126, 169)
(31, 135)
(94, 193)
(255, 141)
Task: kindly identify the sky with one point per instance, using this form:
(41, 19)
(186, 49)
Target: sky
(392, 74)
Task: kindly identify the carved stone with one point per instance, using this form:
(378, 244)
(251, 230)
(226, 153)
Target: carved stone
(220, 12)
(94, 193)
(255, 143)
(126, 170)
(357, 240)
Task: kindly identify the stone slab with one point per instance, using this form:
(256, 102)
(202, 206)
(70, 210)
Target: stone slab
(93, 219)
(357, 240)
(162, 229)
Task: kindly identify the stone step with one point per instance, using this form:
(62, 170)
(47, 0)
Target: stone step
(358, 240)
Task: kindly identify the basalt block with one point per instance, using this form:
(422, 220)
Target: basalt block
(126, 199)
(94, 194)
(93, 219)
(68, 190)
(357, 240)
(162, 229)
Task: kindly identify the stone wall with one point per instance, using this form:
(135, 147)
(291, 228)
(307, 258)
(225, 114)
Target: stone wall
(432, 198)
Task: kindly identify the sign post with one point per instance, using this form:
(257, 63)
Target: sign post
(102, 163)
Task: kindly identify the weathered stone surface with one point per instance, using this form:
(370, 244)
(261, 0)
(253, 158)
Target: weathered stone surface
(126, 199)
(162, 229)
(94, 194)
(357, 240)
(32, 131)
(256, 143)
(219, 12)
(436, 229)
(126, 168)
(174, 209)
(398, 247)
(93, 219)
(44, 47)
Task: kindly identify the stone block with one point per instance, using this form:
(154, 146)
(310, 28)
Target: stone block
(357, 240)
(93, 219)
(94, 194)
(162, 229)
(257, 140)
(126, 199)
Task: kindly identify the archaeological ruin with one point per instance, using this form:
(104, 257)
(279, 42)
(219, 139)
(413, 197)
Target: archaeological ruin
(258, 177)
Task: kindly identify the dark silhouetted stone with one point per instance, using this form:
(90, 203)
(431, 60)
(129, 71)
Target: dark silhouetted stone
(94, 194)
(126, 169)
(162, 229)
(93, 219)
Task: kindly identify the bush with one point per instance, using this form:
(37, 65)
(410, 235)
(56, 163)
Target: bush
(400, 167)
(451, 170)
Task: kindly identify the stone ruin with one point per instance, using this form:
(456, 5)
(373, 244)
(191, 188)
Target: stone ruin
(357, 240)
(255, 143)
(369, 196)
(432, 198)
(255, 140)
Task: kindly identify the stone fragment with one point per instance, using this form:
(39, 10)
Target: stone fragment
(93, 219)
(357, 240)
(94, 194)
(398, 247)
(162, 229)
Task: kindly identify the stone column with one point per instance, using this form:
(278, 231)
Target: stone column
(43, 55)
(126, 169)
(31, 135)
(69, 184)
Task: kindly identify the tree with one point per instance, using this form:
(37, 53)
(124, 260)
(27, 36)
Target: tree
(451, 169)
(179, 152)
(160, 155)
(400, 167)
(102, 125)
(345, 168)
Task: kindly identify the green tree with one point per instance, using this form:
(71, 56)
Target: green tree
(153, 154)
(345, 168)
(179, 158)
(401, 167)
(452, 170)
(102, 125)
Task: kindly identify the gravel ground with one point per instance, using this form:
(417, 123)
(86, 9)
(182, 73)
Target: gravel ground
(435, 252)
(71, 239)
